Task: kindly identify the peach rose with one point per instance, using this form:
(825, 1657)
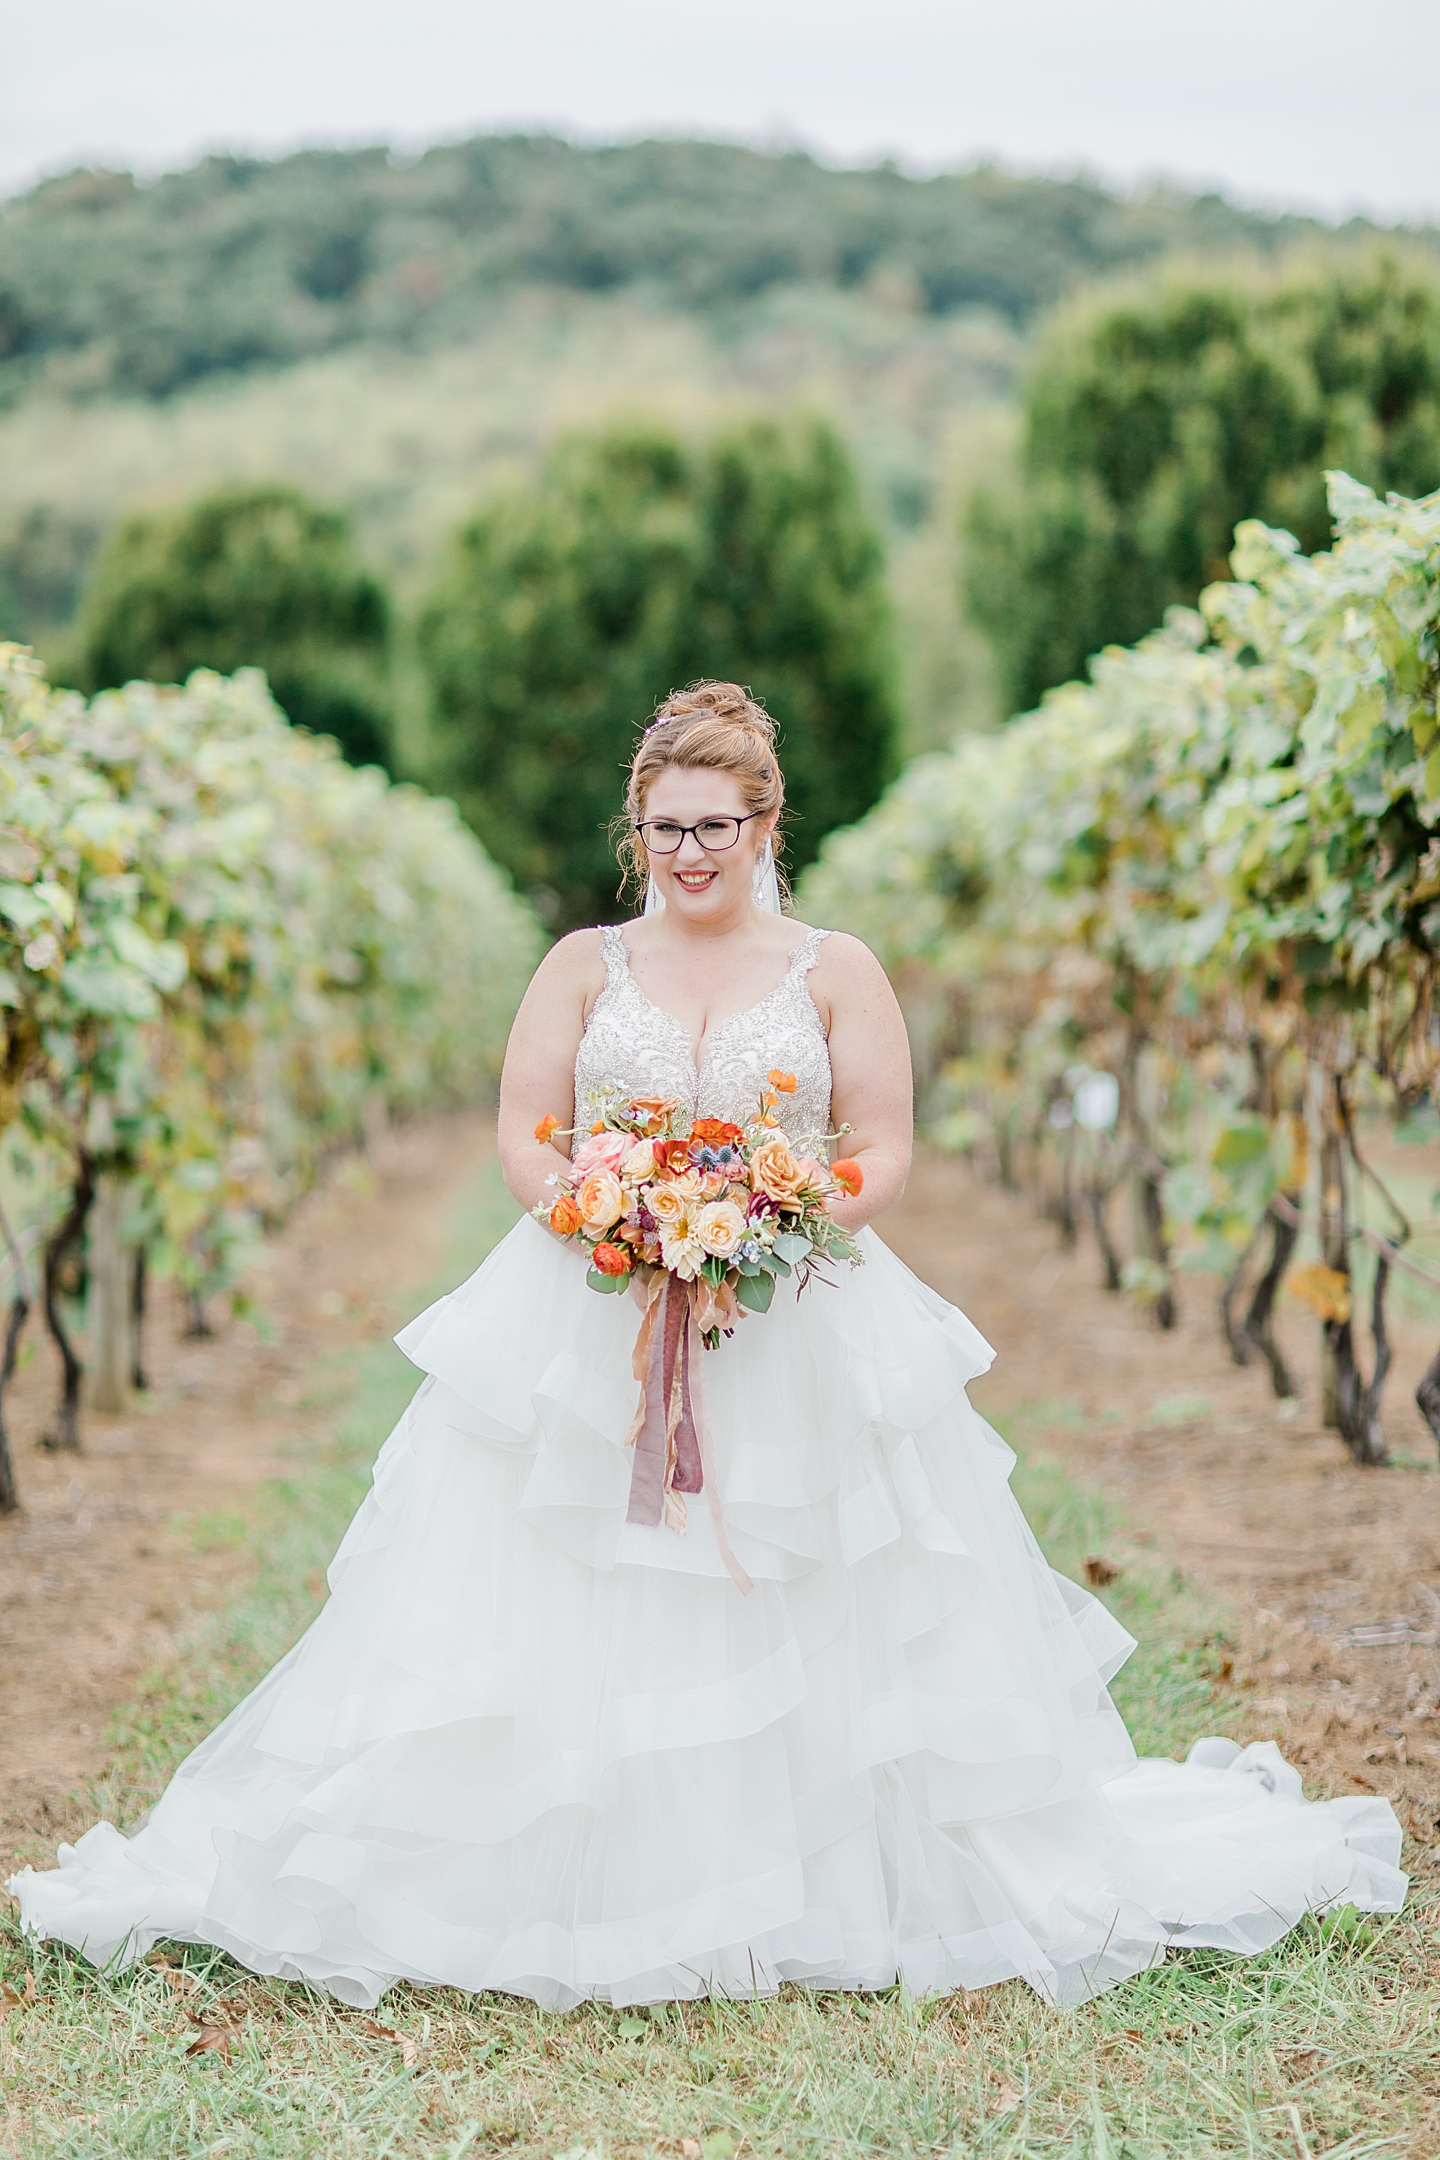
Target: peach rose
(775, 1172)
(602, 1151)
(667, 1203)
(721, 1227)
(601, 1200)
(639, 1164)
(565, 1216)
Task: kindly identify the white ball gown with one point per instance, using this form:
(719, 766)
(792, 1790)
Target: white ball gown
(530, 1746)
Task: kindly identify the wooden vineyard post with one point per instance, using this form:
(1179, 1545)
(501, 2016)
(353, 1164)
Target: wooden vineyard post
(1334, 1229)
(109, 1300)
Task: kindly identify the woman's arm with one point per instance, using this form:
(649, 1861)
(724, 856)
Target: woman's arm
(870, 1061)
(538, 1080)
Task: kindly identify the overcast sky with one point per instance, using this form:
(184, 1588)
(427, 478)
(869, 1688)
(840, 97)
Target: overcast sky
(1319, 103)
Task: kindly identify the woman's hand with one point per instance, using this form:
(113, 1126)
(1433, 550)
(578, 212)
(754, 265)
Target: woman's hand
(870, 1065)
(538, 1082)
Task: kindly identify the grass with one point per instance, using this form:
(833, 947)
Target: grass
(1327, 2045)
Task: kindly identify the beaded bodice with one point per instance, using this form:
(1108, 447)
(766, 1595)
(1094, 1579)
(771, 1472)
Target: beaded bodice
(635, 1047)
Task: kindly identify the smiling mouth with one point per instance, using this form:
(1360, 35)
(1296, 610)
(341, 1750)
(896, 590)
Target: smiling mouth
(695, 880)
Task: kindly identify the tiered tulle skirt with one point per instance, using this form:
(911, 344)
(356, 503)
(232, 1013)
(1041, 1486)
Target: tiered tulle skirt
(528, 1746)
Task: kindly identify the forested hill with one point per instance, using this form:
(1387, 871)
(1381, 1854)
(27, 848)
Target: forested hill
(109, 286)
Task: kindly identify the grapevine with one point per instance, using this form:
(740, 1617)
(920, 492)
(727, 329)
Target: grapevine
(222, 952)
(1173, 928)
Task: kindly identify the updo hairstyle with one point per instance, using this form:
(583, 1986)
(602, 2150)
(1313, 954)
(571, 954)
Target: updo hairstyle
(711, 727)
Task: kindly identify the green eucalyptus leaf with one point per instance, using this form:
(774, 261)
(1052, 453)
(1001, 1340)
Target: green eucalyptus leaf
(755, 1291)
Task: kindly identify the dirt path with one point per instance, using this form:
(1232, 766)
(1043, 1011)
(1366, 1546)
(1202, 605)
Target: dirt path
(95, 1584)
(1245, 1495)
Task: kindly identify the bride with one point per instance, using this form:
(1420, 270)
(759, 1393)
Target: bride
(530, 1745)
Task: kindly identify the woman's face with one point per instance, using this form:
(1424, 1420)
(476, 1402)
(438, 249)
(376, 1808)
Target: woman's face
(702, 882)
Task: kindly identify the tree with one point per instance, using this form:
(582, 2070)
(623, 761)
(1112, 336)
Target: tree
(247, 577)
(569, 609)
(794, 603)
(1154, 427)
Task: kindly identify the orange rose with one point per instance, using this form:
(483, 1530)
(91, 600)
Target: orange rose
(848, 1175)
(775, 1172)
(652, 1113)
(610, 1260)
(671, 1155)
(565, 1216)
(784, 1083)
(601, 1200)
(546, 1126)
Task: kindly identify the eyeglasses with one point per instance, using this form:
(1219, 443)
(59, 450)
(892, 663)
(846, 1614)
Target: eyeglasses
(662, 836)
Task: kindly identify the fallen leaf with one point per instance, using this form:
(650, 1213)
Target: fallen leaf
(689, 2149)
(11, 1999)
(1304, 2062)
(1099, 1572)
(1008, 2097)
(409, 2049)
(213, 2040)
(378, 2032)
(32, 1993)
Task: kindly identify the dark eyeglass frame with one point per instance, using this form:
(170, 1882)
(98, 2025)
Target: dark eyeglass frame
(694, 831)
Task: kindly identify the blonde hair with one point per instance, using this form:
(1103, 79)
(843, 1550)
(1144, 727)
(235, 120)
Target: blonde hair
(711, 727)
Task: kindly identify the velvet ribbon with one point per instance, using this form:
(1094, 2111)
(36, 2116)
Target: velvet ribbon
(670, 1433)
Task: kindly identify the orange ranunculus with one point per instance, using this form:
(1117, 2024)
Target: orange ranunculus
(775, 1172)
(610, 1260)
(784, 1083)
(602, 1202)
(715, 1132)
(565, 1216)
(848, 1175)
(546, 1126)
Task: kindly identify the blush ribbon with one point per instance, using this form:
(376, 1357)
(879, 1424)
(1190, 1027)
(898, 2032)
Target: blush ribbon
(670, 1433)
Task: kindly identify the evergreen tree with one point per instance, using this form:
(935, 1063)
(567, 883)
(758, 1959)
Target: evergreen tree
(247, 577)
(570, 609)
(561, 619)
(1153, 428)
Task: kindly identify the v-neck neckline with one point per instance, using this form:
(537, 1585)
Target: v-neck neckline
(698, 1064)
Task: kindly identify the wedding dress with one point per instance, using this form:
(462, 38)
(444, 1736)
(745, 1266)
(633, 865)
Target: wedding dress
(530, 1746)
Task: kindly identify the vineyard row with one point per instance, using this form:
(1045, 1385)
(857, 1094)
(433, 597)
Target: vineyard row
(1173, 932)
(223, 952)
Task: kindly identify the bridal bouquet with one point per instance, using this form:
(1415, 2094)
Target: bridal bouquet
(725, 1208)
(699, 1224)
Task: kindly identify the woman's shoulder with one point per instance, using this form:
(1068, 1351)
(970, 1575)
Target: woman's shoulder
(577, 958)
(845, 976)
(836, 950)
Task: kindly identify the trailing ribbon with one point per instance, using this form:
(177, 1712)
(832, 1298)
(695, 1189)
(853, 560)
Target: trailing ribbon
(670, 1433)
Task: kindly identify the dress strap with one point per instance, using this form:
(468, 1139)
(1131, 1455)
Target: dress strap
(805, 956)
(612, 946)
